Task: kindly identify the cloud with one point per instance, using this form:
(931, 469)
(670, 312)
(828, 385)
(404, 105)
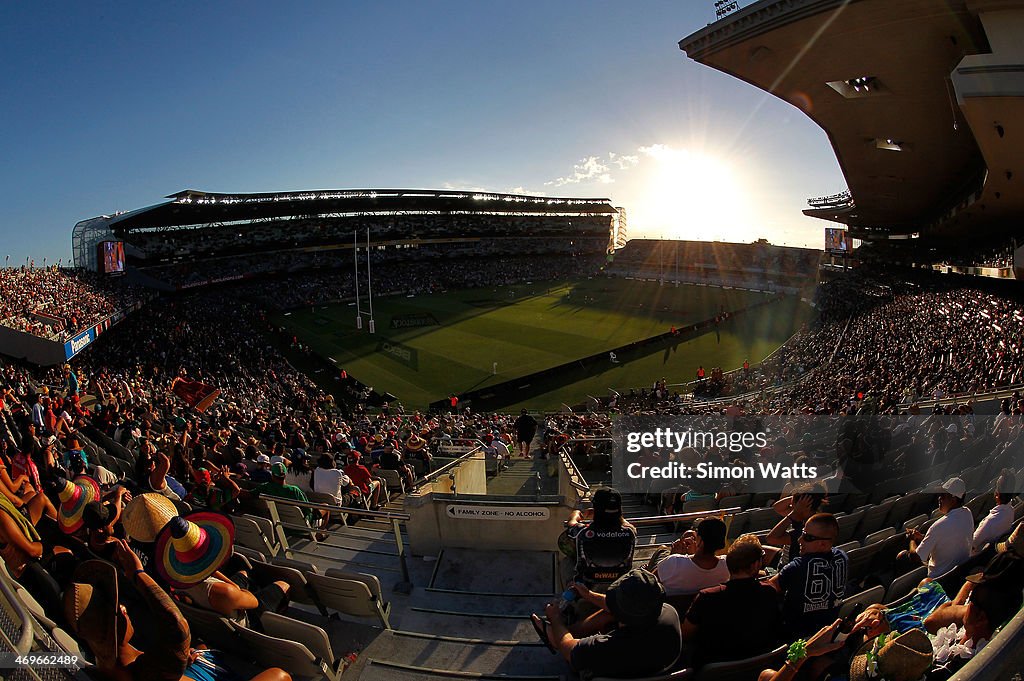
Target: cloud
(598, 169)
(623, 161)
(591, 168)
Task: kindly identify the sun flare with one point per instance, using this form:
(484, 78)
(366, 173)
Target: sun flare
(691, 195)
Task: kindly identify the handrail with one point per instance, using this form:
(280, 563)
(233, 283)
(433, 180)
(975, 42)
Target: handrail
(405, 586)
(388, 515)
(675, 517)
(24, 644)
(429, 477)
(992, 394)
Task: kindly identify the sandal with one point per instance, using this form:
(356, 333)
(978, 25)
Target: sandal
(541, 627)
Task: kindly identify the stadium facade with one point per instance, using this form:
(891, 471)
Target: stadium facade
(193, 224)
(922, 101)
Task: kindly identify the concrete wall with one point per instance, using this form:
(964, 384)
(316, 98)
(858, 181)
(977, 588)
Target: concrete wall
(434, 525)
(470, 478)
(21, 345)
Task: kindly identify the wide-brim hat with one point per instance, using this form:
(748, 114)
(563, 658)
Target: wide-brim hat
(74, 497)
(91, 604)
(147, 514)
(191, 548)
(415, 442)
(898, 658)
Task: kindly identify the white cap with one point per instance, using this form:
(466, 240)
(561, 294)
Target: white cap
(955, 486)
(262, 458)
(277, 458)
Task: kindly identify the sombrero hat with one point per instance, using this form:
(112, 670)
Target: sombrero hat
(147, 514)
(189, 549)
(74, 497)
(415, 443)
(91, 606)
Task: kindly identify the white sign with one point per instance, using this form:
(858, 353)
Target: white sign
(498, 512)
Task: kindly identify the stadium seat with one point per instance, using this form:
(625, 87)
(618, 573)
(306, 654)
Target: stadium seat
(904, 584)
(742, 670)
(761, 519)
(737, 525)
(393, 479)
(371, 582)
(915, 522)
(348, 596)
(849, 546)
(874, 517)
(211, 628)
(314, 638)
(873, 595)
(256, 533)
(299, 590)
(860, 561)
(250, 554)
(848, 525)
(879, 536)
(294, 658)
(293, 519)
(980, 505)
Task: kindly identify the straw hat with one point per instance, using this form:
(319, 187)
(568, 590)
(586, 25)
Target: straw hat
(415, 443)
(147, 514)
(902, 658)
(91, 605)
(74, 497)
(189, 549)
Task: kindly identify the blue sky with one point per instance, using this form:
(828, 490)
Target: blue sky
(110, 106)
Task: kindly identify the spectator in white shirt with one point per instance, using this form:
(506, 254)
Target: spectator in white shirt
(948, 541)
(682, 574)
(326, 479)
(1000, 519)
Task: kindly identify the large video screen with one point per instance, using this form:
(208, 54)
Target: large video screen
(111, 257)
(838, 240)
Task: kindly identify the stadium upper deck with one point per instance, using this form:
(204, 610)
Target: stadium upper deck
(920, 100)
(195, 223)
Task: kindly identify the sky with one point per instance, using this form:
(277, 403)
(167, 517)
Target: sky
(112, 106)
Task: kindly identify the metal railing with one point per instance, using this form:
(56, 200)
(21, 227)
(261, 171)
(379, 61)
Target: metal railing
(462, 458)
(576, 479)
(677, 517)
(395, 519)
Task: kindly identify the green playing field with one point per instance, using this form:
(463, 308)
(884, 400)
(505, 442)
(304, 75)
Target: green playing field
(428, 346)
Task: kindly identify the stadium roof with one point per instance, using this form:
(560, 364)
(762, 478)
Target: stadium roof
(191, 207)
(920, 112)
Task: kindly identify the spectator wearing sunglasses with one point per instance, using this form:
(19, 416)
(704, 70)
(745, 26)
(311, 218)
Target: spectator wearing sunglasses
(814, 583)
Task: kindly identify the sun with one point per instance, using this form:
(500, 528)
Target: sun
(691, 195)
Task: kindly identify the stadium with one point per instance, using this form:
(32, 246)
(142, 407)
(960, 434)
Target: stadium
(405, 434)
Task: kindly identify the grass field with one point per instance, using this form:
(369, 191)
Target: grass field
(527, 328)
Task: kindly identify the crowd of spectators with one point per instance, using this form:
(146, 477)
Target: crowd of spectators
(790, 584)
(449, 260)
(757, 265)
(300, 233)
(879, 342)
(55, 303)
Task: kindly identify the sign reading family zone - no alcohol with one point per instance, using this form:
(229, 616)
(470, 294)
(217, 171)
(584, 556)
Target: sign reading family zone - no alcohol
(497, 512)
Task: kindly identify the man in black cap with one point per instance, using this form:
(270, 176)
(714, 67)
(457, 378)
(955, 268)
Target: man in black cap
(634, 632)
